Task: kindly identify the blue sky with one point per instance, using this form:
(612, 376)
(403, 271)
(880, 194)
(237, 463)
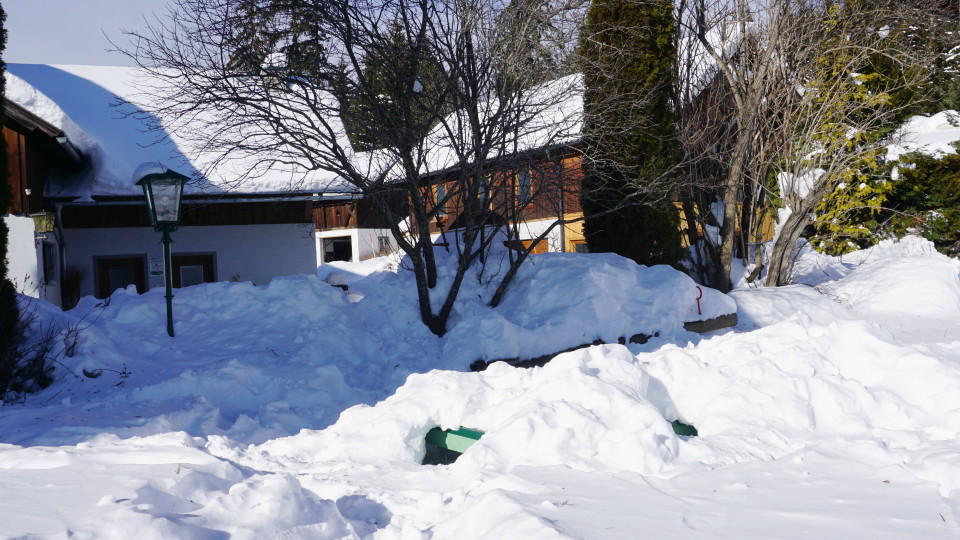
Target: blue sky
(72, 31)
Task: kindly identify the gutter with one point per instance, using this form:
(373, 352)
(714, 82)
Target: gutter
(70, 150)
(220, 200)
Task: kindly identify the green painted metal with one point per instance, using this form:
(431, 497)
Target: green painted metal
(683, 429)
(457, 440)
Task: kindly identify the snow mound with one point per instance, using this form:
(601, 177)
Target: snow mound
(588, 409)
(254, 363)
(908, 246)
(757, 308)
(605, 409)
(931, 135)
(895, 278)
(932, 288)
(563, 300)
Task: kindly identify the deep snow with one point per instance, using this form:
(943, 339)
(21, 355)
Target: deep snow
(289, 410)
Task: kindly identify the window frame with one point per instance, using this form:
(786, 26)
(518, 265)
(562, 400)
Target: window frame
(524, 182)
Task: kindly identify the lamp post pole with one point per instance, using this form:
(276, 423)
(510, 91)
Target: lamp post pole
(168, 279)
(163, 191)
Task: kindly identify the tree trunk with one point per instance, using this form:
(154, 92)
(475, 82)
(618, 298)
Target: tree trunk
(731, 192)
(781, 262)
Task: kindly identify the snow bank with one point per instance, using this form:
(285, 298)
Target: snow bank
(253, 363)
(288, 411)
(894, 279)
(563, 300)
(757, 308)
(756, 396)
(585, 409)
(932, 290)
(932, 135)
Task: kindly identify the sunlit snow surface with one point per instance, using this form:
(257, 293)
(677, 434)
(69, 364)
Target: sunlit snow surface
(287, 411)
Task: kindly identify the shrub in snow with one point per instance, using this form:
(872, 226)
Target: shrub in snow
(27, 362)
(925, 200)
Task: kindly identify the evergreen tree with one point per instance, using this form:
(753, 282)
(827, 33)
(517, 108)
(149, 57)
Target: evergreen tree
(525, 46)
(405, 79)
(629, 52)
(9, 315)
(846, 217)
(925, 200)
(283, 38)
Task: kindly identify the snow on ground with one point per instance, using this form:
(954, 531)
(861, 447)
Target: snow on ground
(831, 411)
(933, 135)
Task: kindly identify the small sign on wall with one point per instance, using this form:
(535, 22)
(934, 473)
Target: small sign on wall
(156, 267)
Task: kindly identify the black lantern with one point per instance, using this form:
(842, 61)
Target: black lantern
(164, 193)
(163, 190)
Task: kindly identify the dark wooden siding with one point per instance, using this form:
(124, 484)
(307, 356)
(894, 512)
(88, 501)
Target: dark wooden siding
(555, 185)
(362, 213)
(335, 215)
(239, 213)
(27, 157)
(17, 167)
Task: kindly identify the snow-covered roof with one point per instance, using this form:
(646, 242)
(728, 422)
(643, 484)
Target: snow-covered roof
(547, 116)
(85, 102)
(102, 111)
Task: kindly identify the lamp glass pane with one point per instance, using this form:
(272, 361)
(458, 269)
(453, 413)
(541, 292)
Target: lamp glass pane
(148, 194)
(43, 221)
(167, 200)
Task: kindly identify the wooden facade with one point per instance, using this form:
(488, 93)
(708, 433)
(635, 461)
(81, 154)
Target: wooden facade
(195, 213)
(354, 214)
(542, 187)
(35, 149)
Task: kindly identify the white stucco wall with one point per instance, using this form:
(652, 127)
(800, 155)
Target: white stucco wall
(364, 243)
(256, 253)
(23, 258)
(369, 244)
(531, 229)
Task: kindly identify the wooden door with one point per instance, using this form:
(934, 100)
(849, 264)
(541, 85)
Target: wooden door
(118, 272)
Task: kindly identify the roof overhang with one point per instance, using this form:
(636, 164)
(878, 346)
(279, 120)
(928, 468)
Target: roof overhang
(30, 121)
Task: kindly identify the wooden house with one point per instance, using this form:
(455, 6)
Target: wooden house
(72, 154)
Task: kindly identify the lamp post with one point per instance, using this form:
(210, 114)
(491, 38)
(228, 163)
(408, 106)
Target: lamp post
(163, 190)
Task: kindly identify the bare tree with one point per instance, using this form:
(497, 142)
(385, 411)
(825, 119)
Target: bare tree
(863, 70)
(800, 91)
(279, 95)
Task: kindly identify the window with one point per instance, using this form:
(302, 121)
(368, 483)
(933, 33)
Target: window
(541, 246)
(483, 193)
(193, 269)
(49, 262)
(441, 194)
(580, 247)
(524, 192)
(383, 244)
(119, 272)
(337, 249)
